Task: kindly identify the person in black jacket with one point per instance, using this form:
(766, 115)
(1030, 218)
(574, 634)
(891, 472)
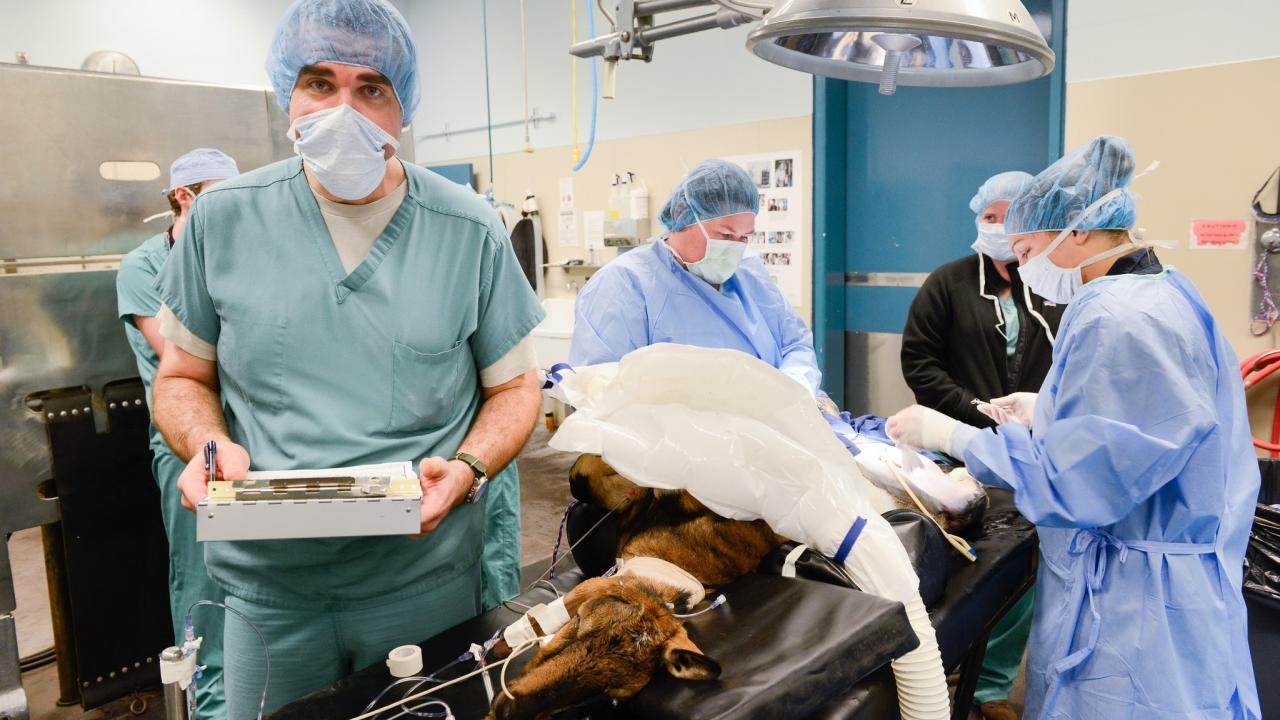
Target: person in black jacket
(975, 332)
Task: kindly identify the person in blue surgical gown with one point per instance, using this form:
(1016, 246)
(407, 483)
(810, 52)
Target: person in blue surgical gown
(1137, 466)
(696, 286)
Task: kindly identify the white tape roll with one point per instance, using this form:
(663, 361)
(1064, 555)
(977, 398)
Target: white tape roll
(405, 661)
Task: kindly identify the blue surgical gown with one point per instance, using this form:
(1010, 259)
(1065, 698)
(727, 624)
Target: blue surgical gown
(1142, 479)
(646, 297)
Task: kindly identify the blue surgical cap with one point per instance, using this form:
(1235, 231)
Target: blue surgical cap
(714, 189)
(368, 33)
(1001, 187)
(200, 165)
(1061, 192)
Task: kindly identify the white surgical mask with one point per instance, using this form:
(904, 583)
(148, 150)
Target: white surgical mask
(722, 256)
(1059, 284)
(993, 243)
(343, 149)
(720, 262)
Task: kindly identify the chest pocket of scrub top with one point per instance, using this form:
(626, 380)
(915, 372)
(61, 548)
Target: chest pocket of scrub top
(425, 386)
(251, 353)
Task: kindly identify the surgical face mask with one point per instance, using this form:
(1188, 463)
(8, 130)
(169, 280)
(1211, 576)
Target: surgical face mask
(1059, 284)
(720, 262)
(343, 149)
(993, 243)
(721, 259)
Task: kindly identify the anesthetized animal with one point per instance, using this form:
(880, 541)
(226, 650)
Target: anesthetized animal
(623, 628)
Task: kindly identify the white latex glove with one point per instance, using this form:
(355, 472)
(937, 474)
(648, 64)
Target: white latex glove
(997, 414)
(1020, 407)
(923, 428)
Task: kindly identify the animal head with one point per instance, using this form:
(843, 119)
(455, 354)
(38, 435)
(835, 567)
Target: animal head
(592, 480)
(621, 631)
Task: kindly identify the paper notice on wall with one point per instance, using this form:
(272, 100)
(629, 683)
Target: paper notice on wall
(780, 236)
(566, 193)
(567, 228)
(593, 228)
(1217, 234)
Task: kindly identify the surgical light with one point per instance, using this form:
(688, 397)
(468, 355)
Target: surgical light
(928, 43)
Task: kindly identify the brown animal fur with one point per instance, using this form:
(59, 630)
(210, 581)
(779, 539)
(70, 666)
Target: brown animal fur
(622, 628)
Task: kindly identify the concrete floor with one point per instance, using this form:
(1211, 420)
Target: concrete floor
(544, 495)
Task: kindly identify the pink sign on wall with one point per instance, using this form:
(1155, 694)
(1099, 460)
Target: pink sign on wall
(1217, 234)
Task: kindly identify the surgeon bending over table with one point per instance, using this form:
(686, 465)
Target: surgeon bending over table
(696, 286)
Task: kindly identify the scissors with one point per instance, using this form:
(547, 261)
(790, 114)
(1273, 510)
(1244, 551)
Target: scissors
(211, 459)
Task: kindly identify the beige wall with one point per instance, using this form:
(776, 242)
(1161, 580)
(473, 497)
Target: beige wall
(1214, 129)
(659, 160)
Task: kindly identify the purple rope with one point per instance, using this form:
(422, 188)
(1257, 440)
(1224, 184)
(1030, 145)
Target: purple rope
(1267, 311)
(551, 573)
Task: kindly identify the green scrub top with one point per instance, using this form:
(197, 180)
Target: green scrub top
(320, 368)
(137, 295)
(1012, 325)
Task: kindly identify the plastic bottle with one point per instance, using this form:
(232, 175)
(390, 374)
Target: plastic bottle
(624, 196)
(638, 198)
(617, 203)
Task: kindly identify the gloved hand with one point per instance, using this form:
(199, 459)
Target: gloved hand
(826, 405)
(1020, 407)
(923, 428)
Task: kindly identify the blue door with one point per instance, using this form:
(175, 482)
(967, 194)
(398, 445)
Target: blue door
(892, 181)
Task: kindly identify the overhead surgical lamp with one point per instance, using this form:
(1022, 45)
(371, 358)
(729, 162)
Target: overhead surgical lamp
(928, 43)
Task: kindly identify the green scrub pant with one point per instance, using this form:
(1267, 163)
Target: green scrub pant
(312, 649)
(189, 582)
(501, 577)
(1005, 647)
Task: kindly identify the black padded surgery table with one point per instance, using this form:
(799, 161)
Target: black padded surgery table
(789, 648)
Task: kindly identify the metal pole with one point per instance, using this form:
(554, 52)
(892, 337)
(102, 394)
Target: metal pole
(175, 698)
(13, 700)
(649, 7)
(64, 642)
(677, 28)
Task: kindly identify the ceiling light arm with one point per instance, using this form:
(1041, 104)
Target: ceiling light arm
(636, 30)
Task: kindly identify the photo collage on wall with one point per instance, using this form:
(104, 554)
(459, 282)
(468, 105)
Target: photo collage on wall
(778, 239)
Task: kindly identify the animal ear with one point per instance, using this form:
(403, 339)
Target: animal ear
(602, 613)
(684, 660)
(592, 480)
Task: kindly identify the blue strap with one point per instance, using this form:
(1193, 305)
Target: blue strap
(553, 375)
(850, 538)
(1090, 545)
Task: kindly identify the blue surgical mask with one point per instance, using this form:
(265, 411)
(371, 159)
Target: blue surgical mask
(343, 149)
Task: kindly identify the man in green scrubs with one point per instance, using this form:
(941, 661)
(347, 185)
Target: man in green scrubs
(353, 309)
(138, 302)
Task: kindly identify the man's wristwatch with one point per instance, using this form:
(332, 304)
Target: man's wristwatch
(481, 472)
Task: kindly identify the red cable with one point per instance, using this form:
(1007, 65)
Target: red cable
(1254, 370)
